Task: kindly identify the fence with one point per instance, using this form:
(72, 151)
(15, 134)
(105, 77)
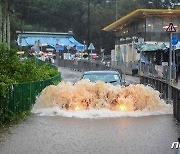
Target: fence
(86, 65)
(162, 87)
(21, 97)
(150, 69)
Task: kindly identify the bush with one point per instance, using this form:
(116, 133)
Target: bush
(14, 71)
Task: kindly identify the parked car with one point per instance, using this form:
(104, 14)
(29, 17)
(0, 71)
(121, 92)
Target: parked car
(112, 77)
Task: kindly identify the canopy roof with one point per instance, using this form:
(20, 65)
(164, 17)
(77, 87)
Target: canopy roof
(48, 38)
(149, 47)
(135, 15)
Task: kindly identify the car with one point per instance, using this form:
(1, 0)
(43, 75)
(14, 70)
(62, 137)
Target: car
(108, 76)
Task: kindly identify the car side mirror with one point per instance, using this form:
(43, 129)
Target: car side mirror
(124, 83)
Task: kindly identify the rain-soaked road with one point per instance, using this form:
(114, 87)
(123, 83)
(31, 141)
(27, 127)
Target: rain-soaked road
(60, 135)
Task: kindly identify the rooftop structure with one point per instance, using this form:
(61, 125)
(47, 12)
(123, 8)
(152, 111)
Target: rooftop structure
(47, 38)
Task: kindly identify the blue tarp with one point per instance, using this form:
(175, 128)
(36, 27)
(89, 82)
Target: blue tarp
(80, 47)
(49, 40)
(60, 48)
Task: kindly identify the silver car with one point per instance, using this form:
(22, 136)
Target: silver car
(112, 77)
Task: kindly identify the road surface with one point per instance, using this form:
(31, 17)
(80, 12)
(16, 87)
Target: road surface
(62, 135)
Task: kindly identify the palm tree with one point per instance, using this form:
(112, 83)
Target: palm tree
(0, 21)
(9, 2)
(5, 9)
(4, 21)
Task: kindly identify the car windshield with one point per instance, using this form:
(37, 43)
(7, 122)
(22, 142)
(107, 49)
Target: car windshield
(114, 79)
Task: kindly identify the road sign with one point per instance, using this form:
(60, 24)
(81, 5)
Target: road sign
(20, 52)
(59, 47)
(171, 28)
(174, 40)
(91, 47)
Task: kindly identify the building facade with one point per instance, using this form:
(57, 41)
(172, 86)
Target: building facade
(143, 25)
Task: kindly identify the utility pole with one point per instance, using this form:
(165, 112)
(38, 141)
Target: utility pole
(116, 10)
(88, 22)
(125, 64)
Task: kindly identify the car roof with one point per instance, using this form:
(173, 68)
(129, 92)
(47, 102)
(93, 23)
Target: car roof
(102, 72)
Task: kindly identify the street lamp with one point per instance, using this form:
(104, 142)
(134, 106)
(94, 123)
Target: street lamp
(68, 47)
(116, 10)
(125, 63)
(88, 22)
(116, 2)
(84, 45)
(141, 41)
(133, 42)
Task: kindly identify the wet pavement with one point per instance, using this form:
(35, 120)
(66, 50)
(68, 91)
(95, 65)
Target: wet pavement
(60, 135)
(70, 75)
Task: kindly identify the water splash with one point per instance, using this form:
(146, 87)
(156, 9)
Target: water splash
(86, 99)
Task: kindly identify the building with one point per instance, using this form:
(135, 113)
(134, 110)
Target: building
(47, 39)
(145, 28)
(49, 42)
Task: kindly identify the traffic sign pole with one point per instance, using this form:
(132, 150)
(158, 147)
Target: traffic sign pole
(170, 67)
(91, 47)
(91, 54)
(170, 29)
(174, 63)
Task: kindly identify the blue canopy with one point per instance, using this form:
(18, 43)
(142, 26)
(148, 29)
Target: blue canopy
(63, 40)
(60, 48)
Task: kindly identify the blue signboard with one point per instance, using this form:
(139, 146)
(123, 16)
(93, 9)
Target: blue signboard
(59, 47)
(80, 47)
(174, 40)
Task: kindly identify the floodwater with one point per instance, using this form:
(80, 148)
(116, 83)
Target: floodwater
(56, 135)
(38, 134)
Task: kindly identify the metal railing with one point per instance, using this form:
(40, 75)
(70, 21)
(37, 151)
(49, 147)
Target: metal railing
(21, 97)
(85, 65)
(162, 87)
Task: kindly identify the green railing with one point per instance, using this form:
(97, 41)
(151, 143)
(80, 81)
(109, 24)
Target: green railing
(21, 97)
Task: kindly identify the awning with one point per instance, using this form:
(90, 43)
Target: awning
(65, 40)
(149, 47)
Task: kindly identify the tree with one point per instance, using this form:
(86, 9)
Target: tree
(1, 14)
(127, 6)
(5, 21)
(157, 4)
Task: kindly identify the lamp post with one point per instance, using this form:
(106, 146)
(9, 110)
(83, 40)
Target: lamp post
(124, 63)
(84, 46)
(116, 5)
(141, 41)
(68, 47)
(116, 10)
(88, 22)
(133, 42)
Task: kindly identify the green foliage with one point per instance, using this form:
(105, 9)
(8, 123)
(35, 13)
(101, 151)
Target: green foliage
(13, 71)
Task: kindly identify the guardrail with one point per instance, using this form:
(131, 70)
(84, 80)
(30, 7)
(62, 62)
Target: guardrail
(20, 97)
(162, 87)
(86, 65)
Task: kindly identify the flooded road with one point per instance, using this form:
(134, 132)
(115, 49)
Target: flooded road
(62, 135)
(56, 135)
